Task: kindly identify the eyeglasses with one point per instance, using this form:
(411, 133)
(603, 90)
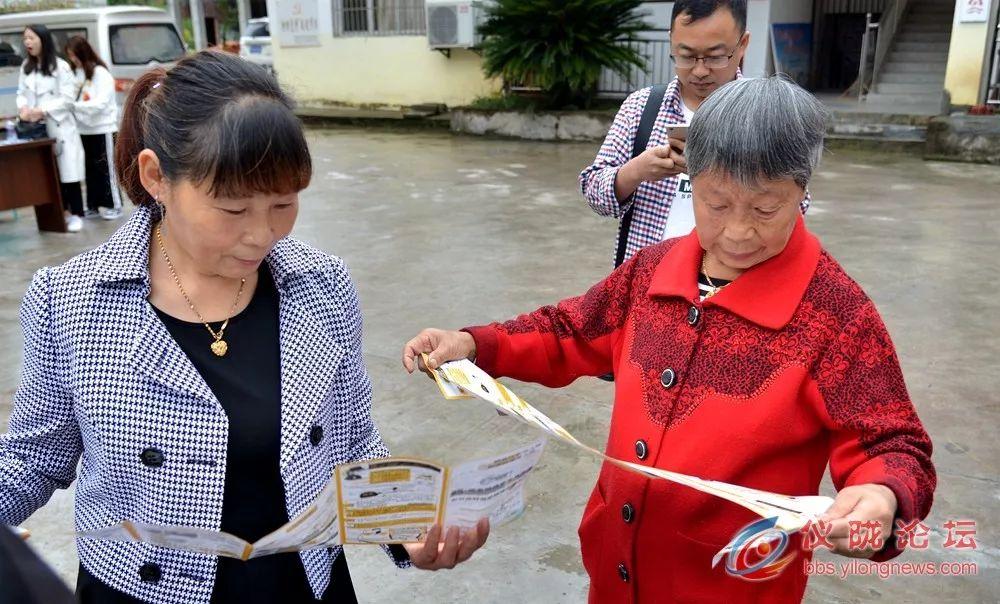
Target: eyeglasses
(718, 62)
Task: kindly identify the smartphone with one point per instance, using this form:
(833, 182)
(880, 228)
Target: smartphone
(677, 131)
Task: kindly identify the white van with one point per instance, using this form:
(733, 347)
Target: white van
(130, 39)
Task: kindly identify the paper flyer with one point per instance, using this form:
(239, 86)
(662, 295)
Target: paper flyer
(792, 513)
(380, 501)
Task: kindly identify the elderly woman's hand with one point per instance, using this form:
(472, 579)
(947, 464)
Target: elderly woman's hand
(862, 503)
(441, 346)
(457, 546)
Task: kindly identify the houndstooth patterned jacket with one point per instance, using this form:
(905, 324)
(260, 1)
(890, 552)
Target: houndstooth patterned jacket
(104, 381)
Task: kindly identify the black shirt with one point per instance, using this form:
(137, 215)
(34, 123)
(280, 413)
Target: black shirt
(247, 383)
(705, 288)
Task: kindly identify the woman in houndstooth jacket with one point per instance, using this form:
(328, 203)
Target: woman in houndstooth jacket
(205, 367)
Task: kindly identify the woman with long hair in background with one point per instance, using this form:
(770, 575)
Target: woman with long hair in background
(96, 114)
(45, 93)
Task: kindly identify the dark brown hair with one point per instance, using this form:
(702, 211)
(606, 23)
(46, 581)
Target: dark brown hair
(84, 52)
(46, 62)
(213, 118)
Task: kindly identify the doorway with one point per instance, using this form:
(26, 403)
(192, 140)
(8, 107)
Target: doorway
(840, 39)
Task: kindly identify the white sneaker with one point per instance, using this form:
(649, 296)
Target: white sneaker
(74, 224)
(110, 213)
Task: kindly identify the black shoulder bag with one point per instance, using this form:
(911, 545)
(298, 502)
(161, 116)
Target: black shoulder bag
(649, 113)
(31, 131)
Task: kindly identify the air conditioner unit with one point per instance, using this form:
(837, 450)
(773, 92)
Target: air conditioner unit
(452, 23)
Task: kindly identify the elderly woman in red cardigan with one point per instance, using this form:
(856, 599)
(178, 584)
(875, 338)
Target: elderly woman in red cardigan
(742, 352)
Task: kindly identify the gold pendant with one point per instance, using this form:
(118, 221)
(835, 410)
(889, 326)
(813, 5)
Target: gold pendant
(219, 347)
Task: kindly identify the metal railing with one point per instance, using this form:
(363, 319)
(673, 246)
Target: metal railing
(379, 18)
(888, 25)
(871, 30)
(659, 69)
(993, 89)
(840, 7)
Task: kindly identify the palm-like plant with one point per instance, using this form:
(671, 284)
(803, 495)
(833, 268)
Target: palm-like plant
(561, 46)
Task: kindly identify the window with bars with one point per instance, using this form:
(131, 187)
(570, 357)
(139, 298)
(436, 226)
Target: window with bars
(379, 17)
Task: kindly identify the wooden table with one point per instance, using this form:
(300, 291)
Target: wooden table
(29, 177)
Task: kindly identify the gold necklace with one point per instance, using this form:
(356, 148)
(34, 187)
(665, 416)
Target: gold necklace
(704, 270)
(219, 346)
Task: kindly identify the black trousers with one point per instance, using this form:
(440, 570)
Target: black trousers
(91, 590)
(72, 197)
(102, 189)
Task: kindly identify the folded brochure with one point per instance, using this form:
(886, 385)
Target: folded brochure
(392, 500)
(463, 379)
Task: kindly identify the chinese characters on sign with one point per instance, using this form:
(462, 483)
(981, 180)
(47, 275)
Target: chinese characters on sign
(973, 11)
(298, 23)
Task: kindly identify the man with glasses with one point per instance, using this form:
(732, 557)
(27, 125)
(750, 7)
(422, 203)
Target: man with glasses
(649, 191)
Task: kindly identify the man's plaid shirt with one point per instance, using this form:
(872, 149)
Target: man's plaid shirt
(652, 199)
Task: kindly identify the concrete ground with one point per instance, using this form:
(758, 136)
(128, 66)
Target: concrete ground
(448, 231)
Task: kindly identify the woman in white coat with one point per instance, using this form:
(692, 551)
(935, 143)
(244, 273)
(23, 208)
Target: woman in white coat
(45, 92)
(97, 120)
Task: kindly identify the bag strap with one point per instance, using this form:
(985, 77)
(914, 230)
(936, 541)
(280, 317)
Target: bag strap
(646, 123)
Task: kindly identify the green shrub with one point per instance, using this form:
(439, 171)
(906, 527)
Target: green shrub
(504, 102)
(560, 46)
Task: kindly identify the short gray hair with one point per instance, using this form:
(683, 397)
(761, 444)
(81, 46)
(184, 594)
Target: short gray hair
(756, 129)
